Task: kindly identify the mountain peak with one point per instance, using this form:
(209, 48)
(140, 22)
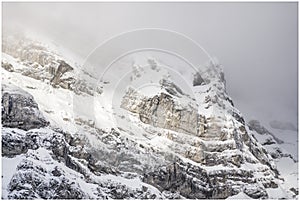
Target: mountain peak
(159, 128)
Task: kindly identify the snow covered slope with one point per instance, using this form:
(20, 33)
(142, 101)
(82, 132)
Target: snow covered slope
(282, 144)
(158, 131)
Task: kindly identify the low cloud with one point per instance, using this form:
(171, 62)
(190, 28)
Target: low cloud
(257, 43)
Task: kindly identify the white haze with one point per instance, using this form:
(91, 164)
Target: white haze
(257, 43)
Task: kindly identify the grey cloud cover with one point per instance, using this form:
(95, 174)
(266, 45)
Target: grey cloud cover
(257, 43)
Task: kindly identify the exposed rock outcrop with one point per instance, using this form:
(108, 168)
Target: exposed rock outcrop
(19, 110)
(175, 146)
(162, 111)
(62, 69)
(208, 141)
(195, 182)
(7, 66)
(41, 63)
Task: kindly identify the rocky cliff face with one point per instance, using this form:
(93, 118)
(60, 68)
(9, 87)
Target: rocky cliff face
(220, 144)
(161, 111)
(52, 162)
(284, 151)
(168, 145)
(43, 64)
(19, 110)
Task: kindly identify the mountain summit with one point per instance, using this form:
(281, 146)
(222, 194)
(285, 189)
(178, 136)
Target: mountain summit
(153, 130)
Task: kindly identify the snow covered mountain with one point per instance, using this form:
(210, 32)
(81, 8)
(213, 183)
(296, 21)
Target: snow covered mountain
(152, 134)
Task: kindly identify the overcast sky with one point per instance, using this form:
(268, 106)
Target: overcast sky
(257, 43)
